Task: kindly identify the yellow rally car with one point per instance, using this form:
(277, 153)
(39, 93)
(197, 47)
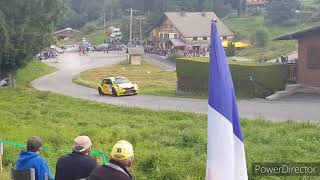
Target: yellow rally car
(117, 86)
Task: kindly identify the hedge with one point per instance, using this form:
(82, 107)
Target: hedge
(193, 76)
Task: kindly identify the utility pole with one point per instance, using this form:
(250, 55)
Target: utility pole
(131, 28)
(240, 8)
(104, 21)
(104, 17)
(140, 21)
(140, 31)
(130, 38)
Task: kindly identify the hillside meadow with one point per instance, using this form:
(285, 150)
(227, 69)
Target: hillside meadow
(168, 145)
(245, 28)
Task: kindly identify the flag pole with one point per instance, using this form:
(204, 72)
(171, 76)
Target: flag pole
(225, 147)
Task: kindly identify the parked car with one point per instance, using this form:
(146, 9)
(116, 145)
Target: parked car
(117, 86)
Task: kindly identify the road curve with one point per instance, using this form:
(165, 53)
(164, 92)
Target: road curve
(70, 65)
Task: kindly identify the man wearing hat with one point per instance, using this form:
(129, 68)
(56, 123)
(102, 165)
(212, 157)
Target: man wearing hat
(122, 158)
(31, 159)
(78, 164)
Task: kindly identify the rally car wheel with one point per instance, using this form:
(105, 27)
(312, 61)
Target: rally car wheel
(114, 92)
(100, 91)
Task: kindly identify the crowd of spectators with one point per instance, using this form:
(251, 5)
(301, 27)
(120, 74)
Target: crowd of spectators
(190, 52)
(285, 60)
(47, 54)
(78, 165)
(157, 51)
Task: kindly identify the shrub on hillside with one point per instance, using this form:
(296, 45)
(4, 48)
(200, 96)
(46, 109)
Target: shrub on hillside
(262, 37)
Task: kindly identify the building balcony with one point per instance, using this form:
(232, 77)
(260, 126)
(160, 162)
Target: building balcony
(191, 42)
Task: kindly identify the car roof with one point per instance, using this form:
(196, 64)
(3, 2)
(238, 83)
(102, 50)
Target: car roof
(113, 78)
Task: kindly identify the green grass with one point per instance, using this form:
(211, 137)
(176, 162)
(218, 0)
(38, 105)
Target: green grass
(151, 79)
(168, 145)
(32, 71)
(97, 37)
(246, 27)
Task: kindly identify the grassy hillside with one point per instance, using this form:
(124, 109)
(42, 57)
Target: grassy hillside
(32, 71)
(95, 37)
(245, 28)
(168, 145)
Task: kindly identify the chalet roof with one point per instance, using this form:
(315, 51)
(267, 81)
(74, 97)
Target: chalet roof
(299, 34)
(64, 30)
(177, 42)
(196, 24)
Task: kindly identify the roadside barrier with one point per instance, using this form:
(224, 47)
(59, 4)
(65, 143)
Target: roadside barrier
(100, 154)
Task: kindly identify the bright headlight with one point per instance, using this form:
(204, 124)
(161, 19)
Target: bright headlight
(135, 86)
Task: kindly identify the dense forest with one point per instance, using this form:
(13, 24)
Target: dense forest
(25, 30)
(82, 11)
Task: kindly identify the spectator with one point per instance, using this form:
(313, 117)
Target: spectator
(31, 159)
(122, 158)
(78, 164)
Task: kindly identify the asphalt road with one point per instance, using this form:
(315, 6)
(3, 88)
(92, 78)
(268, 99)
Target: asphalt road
(299, 108)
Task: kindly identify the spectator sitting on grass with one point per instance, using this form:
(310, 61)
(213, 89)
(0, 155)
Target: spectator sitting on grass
(78, 164)
(122, 158)
(31, 159)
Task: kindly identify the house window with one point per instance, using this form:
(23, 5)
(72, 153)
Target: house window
(166, 36)
(171, 26)
(175, 36)
(225, 38)
(161, 35)
(205, 38)
(195, 39)
(313, 61)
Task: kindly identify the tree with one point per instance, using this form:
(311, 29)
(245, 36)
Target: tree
(25, 30)
(82, 11)
(4, 42)
(262, 37)
(283, 12)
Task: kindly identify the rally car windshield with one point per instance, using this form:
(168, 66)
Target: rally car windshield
(121, 81)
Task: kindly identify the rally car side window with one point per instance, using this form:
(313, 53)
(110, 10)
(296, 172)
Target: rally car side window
(108, 81)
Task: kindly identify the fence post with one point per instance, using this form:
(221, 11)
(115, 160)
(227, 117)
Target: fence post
(1, 154)
(100, 157)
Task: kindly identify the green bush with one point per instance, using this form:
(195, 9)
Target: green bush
(262, 37)
(193, 76)
(231, 49)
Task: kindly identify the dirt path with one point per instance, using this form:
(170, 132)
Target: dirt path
(70, 65)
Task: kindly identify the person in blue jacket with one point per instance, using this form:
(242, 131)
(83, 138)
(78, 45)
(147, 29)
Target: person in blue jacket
(31, 159)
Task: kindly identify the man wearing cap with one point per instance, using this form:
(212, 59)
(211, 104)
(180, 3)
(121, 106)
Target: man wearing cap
(122, 158)
(31, 159)
(78, 164)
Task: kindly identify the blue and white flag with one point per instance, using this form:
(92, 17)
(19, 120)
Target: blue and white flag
(226, 156)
